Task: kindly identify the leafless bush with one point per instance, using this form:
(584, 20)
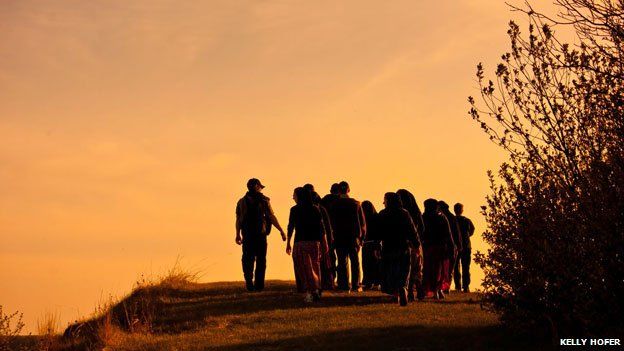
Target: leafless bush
(555, 218)
(11, 326)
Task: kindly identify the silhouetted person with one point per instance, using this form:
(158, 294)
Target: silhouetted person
(371, 250)
(457, 240)
(327, 201)
(467, 229)
(306, 221)
(349, 228)
(309, 188)
(409, 203)
(437, 242)
(327, 259)
(254, 218)
(398, 237)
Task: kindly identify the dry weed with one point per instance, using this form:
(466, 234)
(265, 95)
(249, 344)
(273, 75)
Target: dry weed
(10, 326)
(48, 329)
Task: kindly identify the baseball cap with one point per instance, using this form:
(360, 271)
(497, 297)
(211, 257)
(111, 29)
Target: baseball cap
(251, 183)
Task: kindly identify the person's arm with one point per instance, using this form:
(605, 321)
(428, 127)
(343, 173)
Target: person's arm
(471, 227)
(362, 223)
(457, 239)
(448, 235)
(322, 222)
(291, 228)
(419, 222)
(329, 233)
(412, 232)
(240, 212)
(275, 222)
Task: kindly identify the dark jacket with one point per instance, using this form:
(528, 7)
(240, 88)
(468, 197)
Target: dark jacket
(347, 221)
(467, 229)
(397, 230)
(307, 223)
(437, 231)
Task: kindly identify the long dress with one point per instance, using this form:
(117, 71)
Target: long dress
(437, 241)
(398, 234)
(435, 267)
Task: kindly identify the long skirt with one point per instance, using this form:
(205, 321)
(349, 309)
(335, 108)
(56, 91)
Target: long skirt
(396, 269)
(434, 272)
(449, 267)
(307, 261)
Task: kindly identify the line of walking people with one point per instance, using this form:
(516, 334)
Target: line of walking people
(405, 253)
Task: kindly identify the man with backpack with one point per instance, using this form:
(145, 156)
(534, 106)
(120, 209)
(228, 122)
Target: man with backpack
(254, 218)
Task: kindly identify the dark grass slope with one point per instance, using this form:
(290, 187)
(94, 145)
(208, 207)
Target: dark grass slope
(222, 316)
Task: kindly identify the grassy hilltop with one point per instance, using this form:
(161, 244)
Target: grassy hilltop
(223, 316)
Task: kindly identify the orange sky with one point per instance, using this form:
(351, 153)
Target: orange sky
(129, 128)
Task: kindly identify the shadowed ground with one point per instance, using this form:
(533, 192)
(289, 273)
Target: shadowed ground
(223, 316)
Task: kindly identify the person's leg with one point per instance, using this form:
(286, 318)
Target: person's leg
(298, 256)
(377, 265)
(391, 265)
(311, 270)
(261, 251)
(442, 269)
(367, 265)
(411, 279)
(354, 259)
(248, 264)
(333, 258)
(385, 272)
(466, 256)
(341, 269)
(297, 268)
(457, 272)
(448, 277)
(327, 279)
(417, 273)
(315, 261)
(429, 272)
(403, 277)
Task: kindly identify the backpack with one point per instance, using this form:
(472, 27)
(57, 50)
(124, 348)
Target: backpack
(257, 218)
